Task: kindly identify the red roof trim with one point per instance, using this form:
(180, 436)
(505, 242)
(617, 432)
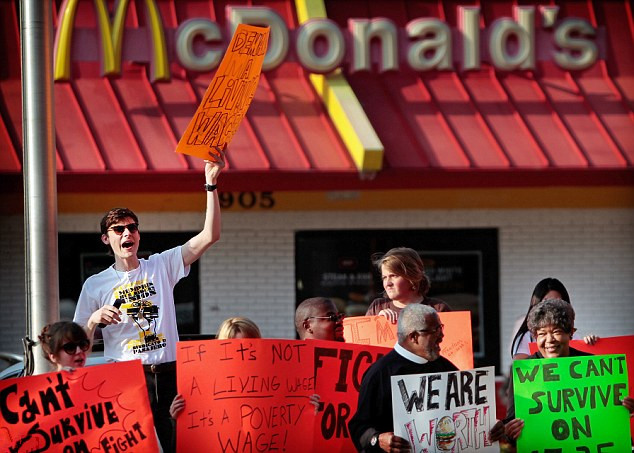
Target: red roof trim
(440, 129)
(190, 181)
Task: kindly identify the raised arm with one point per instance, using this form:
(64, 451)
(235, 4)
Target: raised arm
(196, 246)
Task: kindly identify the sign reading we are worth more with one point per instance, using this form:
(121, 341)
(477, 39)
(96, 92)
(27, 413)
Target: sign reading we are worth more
(229, 94)
(457, 344)
(446, 412)
(100, 408)
(245, 395)
(572, 404)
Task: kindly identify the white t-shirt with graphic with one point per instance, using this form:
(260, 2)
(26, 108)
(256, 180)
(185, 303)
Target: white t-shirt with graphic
(147, 330)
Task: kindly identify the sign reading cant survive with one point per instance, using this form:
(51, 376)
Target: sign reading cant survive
(99, 408)
(572, 404)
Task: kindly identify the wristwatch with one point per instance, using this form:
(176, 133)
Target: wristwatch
(374, 440)
(210, 187)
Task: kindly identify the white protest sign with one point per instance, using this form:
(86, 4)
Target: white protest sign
(446, 412)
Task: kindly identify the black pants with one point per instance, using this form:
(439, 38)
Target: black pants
(161, 387)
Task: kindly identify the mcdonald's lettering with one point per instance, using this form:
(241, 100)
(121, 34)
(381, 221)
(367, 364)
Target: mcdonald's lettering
(424, 44)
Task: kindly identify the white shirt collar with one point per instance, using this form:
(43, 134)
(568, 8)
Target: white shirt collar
(400, 350)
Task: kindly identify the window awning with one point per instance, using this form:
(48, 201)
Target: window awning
(482, 128)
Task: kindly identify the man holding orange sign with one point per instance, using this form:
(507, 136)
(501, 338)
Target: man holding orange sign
(133, 299)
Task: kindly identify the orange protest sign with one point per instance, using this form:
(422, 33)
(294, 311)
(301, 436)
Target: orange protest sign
(339, 368)
(229, 94)
(245, 395)
(457, 345)
(98, 408)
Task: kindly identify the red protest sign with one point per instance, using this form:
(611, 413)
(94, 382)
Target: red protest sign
(102, 408)
(457, 345)
(229, 94)
(245, 395)
(339, 368)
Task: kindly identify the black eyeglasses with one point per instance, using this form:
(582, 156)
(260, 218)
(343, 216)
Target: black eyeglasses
(119, 229)
(334, 318)
(70, 348)
(436, 329)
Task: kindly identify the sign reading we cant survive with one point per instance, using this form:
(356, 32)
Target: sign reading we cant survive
(446, 412)
(623, 344)
(245, 395)
(99, 408)
(229, 94)
(572, 404)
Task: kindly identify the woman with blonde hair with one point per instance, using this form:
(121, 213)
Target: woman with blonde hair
(238, 327)
(404, 281)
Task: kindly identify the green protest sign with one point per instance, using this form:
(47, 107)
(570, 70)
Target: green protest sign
(572, 404)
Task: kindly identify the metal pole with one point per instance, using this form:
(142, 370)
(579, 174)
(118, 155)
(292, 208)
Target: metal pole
(40, 185)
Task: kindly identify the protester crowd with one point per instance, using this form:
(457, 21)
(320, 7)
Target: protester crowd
(132, 303)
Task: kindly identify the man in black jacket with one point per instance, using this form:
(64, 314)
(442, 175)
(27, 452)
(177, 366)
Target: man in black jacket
(419, 333)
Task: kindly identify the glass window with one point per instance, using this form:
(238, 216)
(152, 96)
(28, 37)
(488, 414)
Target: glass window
(462, 265)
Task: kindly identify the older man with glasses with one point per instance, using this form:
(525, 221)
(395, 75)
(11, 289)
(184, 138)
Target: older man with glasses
(133, 300)
(317, 318)
(419, 333)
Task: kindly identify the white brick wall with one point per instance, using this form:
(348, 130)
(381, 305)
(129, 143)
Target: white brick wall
(251, 271)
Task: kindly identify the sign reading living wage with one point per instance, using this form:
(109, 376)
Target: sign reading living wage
(229, 94)
(457, 344)
(339, 368)
(572, 403)
(245, 395)
(98, 408)
(446, 412)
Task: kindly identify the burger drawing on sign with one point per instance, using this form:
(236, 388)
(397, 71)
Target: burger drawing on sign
(445, 434)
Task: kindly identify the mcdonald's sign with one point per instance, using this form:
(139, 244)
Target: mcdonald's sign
(321, 46)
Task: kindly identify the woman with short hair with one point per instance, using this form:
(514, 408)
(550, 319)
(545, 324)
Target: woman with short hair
(552, 324)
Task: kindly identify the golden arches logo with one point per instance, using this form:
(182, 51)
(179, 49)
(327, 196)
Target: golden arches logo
(111, 39)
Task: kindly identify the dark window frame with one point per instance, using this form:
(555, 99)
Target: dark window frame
(346, 255)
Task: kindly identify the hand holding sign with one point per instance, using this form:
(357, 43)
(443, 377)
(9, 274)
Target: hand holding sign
(228, 96)
(214, 165)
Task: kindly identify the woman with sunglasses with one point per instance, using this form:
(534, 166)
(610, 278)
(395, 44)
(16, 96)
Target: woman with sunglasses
(405, 283)
(65, 344)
